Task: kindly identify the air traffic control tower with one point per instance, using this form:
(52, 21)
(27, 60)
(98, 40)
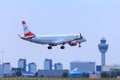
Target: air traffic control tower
(103, 47)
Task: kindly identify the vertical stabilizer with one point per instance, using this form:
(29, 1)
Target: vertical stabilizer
(81, 36)
(27, 32)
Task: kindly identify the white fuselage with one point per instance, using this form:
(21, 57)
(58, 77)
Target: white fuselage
(54, 39)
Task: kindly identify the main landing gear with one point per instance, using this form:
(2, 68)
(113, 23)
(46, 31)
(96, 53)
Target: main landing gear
(49, 47)
(79, 45)
(62, 47)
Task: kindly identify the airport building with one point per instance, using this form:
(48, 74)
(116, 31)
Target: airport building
(98, 68)
(48, 64)
(6, 68)
(88, 67)
(51, 73)
(22, 64)
(32, 68)
(1, 70)
(58, 66)
(110, 68)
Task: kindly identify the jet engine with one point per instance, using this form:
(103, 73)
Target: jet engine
(73, 43)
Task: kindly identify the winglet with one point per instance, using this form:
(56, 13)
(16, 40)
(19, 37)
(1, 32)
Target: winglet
(23, 22)
(19, 36)
(81, 36)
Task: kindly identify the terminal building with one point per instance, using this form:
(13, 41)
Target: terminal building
(87, 67)
(110, 68)
(51, 73)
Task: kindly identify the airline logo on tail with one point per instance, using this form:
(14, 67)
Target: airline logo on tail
(27, 32)
(52, 40)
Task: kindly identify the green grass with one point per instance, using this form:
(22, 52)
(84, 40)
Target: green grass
(54, 79)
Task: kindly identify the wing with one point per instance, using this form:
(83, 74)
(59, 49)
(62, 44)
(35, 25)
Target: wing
(61, 41)
(58, 42)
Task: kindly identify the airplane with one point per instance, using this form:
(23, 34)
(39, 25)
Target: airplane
(52, 40)
(77, 73)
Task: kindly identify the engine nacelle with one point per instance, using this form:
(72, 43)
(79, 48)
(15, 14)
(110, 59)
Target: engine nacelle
(74, 43)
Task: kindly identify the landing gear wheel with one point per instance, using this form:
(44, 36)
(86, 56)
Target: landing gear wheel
(62, 47)
(49, 47)
(79, 45)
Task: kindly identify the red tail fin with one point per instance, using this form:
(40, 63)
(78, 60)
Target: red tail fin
(27, 32)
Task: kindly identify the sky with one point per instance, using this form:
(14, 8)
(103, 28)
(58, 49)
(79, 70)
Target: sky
(93, 18)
